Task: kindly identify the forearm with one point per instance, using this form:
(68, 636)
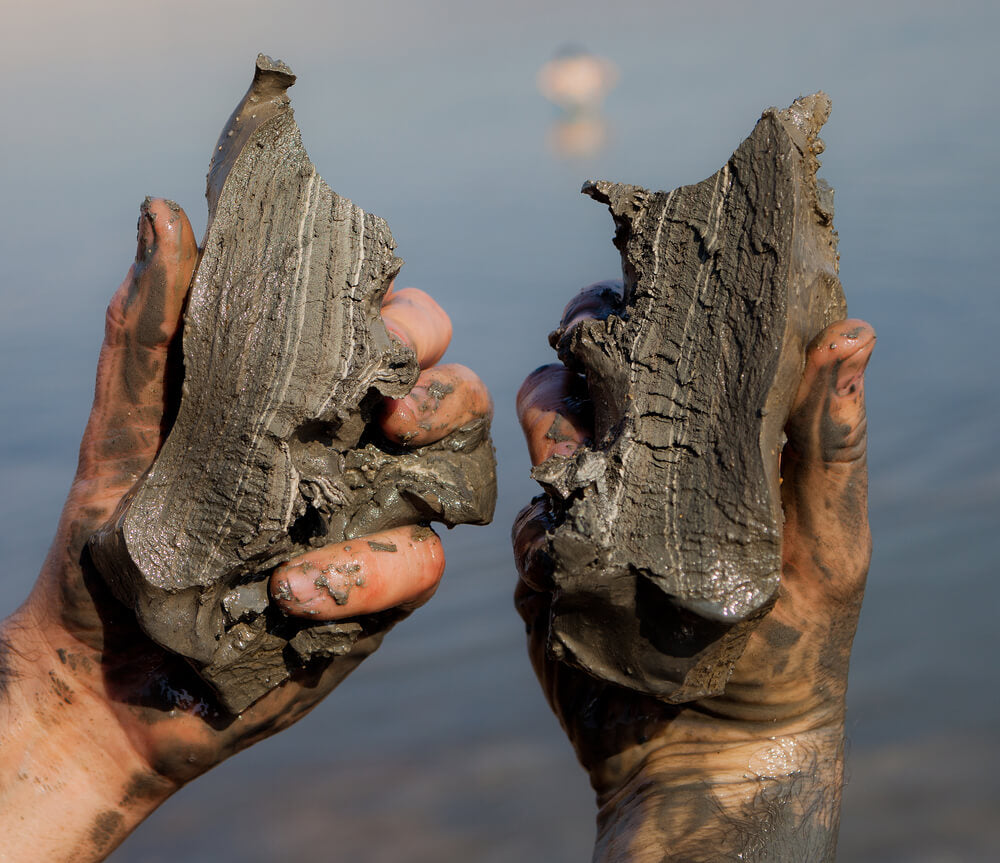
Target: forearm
(71, 785)
(775, 800)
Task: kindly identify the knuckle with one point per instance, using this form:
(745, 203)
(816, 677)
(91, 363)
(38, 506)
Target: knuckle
(844, 443)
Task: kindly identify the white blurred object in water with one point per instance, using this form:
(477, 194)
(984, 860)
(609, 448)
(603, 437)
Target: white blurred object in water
(579, 135)
(577, 80)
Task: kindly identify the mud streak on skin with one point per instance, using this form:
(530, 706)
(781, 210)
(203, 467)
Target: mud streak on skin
(106, 828)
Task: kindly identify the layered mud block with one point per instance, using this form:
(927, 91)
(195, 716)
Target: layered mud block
(286, 359)
(668, 550)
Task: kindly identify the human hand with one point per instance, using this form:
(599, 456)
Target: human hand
(757, 770)
(94, 713)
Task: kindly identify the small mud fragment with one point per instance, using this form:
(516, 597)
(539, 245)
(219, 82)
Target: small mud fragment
(560, 431)
(74, 661)
(421, 533)
(344, 580)
(439, 390)
(61, 688)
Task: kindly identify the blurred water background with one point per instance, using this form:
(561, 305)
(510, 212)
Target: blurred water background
(428, 113)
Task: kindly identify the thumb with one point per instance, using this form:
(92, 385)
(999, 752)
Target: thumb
(827, 423)
(824, 467)
(124, 431)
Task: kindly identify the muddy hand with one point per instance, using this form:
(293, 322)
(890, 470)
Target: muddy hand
(788, 669)
(77, 713)
(687, 777)
(91, 710)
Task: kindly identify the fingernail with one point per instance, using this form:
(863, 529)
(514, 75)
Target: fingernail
(146, 235)
(852, 370)
(566, 448)
(596, 301)
(400, 334)
(283, 590)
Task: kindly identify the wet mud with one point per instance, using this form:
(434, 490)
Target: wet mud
(275, 449)
(666, 549)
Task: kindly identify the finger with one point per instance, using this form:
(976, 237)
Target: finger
(824, 465)
(125, 426)
(418, 321)
(534, 609)
(553, 407)
(399, 567)
(595, 301)
(530, 544)
(827, 421)
(553, 404)
(444, 399)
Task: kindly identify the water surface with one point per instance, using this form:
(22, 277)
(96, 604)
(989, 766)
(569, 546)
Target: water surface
(441, 747)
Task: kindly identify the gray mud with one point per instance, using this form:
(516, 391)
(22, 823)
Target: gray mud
(668, 546)
(272, 453)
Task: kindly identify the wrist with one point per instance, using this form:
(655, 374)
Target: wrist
(776, 797)
(72, 785)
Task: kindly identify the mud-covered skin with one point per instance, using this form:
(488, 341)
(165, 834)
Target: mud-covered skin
(323, 583)
(557, 412)
(95, 714)
(756, 773)
(410, 318)
(444, 398)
